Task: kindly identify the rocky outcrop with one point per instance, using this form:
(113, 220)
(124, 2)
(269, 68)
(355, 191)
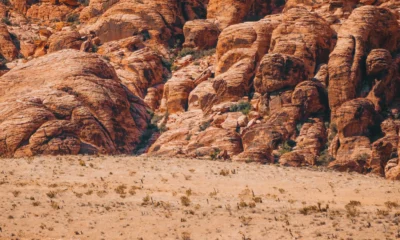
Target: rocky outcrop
(304, 35)
(367, 28)
(180, 85)
(309, 143)
(278, 71)
(311, 96)
(230, 12)
(355, 120)
(383, 80)
(49, 12)
(7, 48)
(64, 40)
(154, 19)
(47, 108)
(239, 48)
(213, 141)
(200, 34)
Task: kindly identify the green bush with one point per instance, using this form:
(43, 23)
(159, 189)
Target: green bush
(95, 48)
(324, 158)
(204, 125)
(196, 54)
(287, 147)
(6, 21)
(73, 18)
(244, 107)
(84, 2)
(215, 153)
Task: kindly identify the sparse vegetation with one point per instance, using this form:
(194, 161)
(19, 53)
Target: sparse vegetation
(351, 209)
(73, 18)
(185, 201)
(324, 158)
(242, 106)
(6, 21)
(51, 194)
(196, 54)
(203, 126)
(214, 154)
(286, 147)
(84, 2)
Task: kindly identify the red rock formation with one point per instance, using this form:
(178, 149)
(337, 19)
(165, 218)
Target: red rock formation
(309, 144)
(354, 121)
(64, 40)
(200, 34)
(278, 71)
(7, 47)
(367, 28)
(68, 102)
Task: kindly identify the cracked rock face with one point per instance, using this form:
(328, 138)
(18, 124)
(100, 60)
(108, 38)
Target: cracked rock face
(47, 108)
(296, 82)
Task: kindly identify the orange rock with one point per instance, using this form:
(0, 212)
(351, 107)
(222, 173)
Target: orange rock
(278, 71)
(7, 47)
(214, 140)
(67, 102)
(383, 76)
(49, 12)
(200, 34)
(351, 149)
(126, 18)
(64, 40)
(304, 35)
(368, 27)
(311, 96)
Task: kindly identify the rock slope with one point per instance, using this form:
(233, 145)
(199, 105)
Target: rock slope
(291, 82)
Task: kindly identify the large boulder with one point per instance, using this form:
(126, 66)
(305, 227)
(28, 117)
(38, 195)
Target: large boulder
(304, 35)
(367, 28)
(153, 18)
(278, 71)
(311, 96)
(214, 140)
(7, 48)
(229, 12)
(200, 34)
(382, 72)
(49, 12)
(355, 121)
(67, 102)
(64, 40)
(309, 143)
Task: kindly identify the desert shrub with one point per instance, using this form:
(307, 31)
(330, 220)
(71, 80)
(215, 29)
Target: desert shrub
(286, 147)
(203, 126)
(362, 157)
(167, 63)
(84, 2)
(145, 34)
(214, 154)
(333, 131)
(185, 201)
(196, 54)
(241, 106)
(186, 51)
(73, 18)
(95, 48)
(6, 21)
(324, 158)
(351, 208)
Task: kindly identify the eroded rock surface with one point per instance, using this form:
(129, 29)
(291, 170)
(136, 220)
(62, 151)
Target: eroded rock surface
(49, 109)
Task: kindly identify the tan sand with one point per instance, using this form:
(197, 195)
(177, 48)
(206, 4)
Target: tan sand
(82, 197)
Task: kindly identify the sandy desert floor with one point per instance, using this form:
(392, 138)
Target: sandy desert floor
(125, 197)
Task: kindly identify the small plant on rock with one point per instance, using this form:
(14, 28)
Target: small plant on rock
(244, 107)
